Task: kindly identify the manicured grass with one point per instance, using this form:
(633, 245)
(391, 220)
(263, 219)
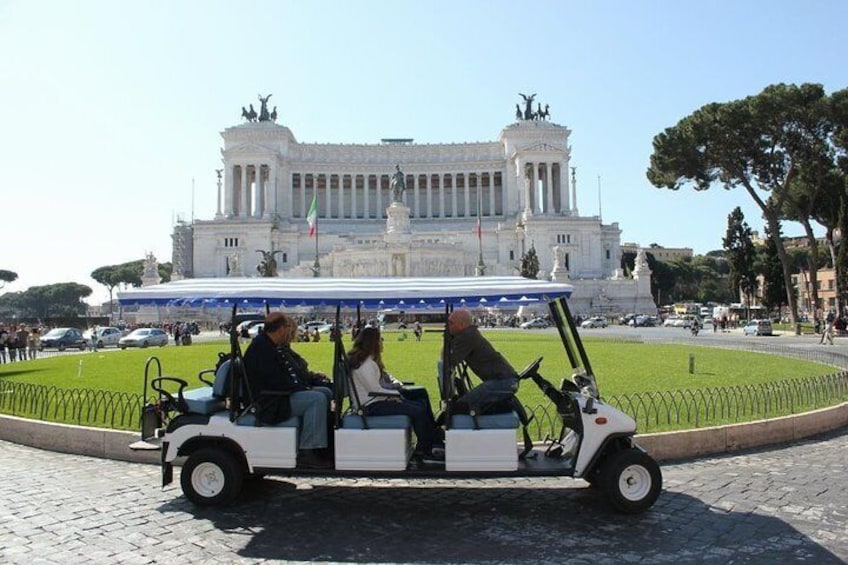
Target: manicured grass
(621, 368)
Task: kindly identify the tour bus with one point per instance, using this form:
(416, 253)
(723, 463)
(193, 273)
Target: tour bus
(212, 431)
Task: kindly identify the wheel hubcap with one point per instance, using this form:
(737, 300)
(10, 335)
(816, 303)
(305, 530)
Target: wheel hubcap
(634, 482)
(207, 479)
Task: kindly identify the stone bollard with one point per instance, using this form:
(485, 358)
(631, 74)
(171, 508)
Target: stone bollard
(691, 363)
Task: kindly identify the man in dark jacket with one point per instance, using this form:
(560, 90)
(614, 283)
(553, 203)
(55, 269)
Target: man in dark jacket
(500, 381)
(269, 371)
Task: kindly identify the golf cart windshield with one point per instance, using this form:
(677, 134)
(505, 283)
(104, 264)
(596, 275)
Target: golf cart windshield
(582, 373)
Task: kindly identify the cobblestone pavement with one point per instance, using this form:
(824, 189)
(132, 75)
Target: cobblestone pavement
(784, 504)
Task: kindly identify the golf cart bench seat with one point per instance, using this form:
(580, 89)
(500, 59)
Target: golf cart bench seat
(364, 443)
(249, 419)
(210, 399)
(203, 401)
(355, 422)
(504, 421)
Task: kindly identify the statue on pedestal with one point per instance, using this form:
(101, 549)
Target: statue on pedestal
(264, 116)
(268, 266)
(398, 185)
(528, 105)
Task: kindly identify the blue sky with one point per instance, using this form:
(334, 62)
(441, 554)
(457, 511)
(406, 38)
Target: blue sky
(110, 110)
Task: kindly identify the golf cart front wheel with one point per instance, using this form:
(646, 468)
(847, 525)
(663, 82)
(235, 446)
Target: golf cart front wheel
(631, 481)
(211, 477)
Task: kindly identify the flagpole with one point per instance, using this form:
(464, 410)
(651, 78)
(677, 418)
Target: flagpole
(481, 267)
(316, 267)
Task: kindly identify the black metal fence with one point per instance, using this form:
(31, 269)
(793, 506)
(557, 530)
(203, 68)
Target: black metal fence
(683, 409)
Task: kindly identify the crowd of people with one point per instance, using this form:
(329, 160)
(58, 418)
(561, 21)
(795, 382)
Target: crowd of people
(19, 342)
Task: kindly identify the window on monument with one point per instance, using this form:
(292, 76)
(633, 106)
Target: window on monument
(285, 257)
(511, 255)
(608, 254)
(567, 261)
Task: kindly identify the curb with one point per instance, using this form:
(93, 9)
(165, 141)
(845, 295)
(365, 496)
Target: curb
(686, 444)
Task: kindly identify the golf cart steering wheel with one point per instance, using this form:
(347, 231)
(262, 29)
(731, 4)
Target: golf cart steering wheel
(178, 403)
(530, 369)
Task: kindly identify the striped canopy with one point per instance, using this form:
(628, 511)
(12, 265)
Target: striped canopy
(408, 293)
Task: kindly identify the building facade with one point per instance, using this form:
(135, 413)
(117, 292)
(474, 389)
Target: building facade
(465, 209)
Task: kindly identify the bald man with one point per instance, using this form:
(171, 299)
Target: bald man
(467, 345)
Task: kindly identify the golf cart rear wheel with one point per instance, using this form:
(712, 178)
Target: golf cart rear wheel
(631, 481)
(211, 477)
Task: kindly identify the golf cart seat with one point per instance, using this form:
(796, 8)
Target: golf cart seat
(212, 398)
(487, 441)
(504, 421)
(364, 442)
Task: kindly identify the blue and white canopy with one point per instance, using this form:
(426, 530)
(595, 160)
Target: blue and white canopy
(408, 293)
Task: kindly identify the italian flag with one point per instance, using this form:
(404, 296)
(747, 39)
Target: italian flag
(312, 216)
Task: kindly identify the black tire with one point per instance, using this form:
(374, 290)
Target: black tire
(61, 347)
(100, 344)
(631, 480)
(143, 344)
(82, 347)
(122, 346)
(211, 477)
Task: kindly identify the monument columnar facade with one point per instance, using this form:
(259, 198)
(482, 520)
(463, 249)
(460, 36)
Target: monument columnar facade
(399, 208)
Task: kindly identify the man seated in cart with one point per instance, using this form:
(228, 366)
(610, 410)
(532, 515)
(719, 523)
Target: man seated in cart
(270, 372)
(467, 345)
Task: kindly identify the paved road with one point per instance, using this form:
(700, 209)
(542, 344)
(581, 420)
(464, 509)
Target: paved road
(785, 504)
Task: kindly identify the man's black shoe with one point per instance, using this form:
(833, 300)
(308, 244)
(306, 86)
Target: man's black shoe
(309, 459)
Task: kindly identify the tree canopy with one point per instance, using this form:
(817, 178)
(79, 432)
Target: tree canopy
(761, 143)
(8, 276)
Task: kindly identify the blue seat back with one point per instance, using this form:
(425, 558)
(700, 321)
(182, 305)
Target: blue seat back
(221, 386)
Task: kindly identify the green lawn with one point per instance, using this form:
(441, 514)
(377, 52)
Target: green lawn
(621, 368)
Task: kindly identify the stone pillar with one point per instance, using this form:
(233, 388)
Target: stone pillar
(467, 190)
(341, 195)
(218, 213)
(229, 191)
(328, 205)
(564, 206)
(260, 191)
(366, 188)
(245, 188)
(379, 195)
(525, 176)
(416, 201)
(442, 196)
(454, 210)
(492, 207)
(270, 205)
(549, 190)
(353, 196)
(303, 203)
(574, 193)
(534, 190)
(428, 181)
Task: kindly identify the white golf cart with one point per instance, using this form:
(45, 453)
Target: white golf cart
(216, 430)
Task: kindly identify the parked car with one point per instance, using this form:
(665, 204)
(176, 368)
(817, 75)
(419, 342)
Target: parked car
(246, 326)
(255, 329)
(594, 322)
(63, 338)
(758, 327)
(144, 337)
(321, 326)
(672, 321)
(106, 336)
(535, 323)
(642, 321)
